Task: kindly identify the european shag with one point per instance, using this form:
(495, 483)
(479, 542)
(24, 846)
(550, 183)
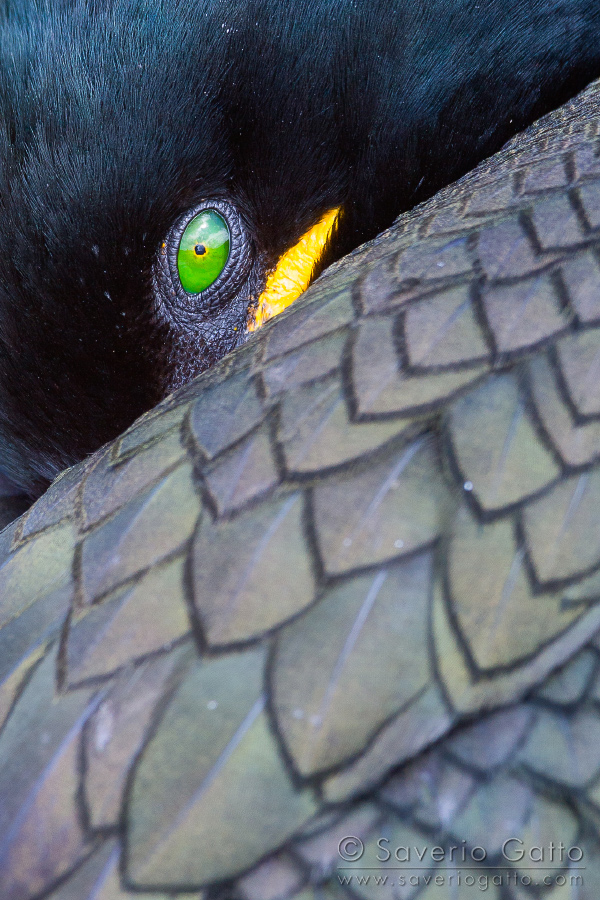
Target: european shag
(166, 168)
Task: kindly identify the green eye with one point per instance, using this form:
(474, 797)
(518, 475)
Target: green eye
(203, 251)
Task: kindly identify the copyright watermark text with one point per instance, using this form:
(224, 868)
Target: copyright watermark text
(381, 863)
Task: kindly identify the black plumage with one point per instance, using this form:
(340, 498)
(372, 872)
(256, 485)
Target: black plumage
(119, 116)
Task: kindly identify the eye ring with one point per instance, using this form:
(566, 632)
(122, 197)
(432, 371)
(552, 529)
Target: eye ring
(217, 295)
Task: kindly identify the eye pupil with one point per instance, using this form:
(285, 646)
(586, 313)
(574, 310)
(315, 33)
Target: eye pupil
(203, 251)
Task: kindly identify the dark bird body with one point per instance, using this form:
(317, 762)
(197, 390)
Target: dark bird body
(341, 593)
(118, 117)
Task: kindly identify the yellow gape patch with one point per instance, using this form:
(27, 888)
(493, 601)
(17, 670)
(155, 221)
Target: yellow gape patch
(293, 273)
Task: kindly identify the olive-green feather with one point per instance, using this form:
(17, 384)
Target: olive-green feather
(344, 585)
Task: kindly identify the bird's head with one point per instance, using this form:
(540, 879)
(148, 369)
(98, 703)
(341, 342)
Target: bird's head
(155, 208)
(171, 174)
